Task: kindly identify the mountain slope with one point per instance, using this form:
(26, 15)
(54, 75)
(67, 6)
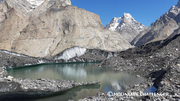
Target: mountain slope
(161, 29)
(11, 27)
(67, 29)
(126, 25)
(54, 26)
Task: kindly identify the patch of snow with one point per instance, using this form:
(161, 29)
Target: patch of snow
(66, 2)
(128, 16)
(35, 2)
(40, 62)
(27, 64)
(110, 55)
(4, 67)
(31, 10)
(11, 53)
(114, 23)
(175, 10)
(72, 52)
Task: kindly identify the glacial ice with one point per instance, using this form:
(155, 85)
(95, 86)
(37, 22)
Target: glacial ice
(72, 52)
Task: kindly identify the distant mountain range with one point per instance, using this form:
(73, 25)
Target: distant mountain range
(167, 26)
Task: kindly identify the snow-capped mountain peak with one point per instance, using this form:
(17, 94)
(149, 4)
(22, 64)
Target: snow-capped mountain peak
(114, 23)
(126, 25)
(128, 16)
(126, 20)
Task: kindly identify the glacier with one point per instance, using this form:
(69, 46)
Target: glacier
(72, 52)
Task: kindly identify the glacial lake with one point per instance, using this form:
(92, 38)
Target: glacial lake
(78, 72)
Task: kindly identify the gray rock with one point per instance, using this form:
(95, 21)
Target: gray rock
(167, 25)
(9, 78)
(158, 62)
(3, 73)
(25, 88)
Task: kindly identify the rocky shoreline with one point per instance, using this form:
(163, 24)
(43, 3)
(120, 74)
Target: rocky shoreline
(157, 62)
(11, 88)
(167, 85)
(12, 59)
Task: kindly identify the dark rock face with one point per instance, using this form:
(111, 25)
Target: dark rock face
(170, 81)
(178, 3)
(159, 62)
(11, 59)
(156, 54)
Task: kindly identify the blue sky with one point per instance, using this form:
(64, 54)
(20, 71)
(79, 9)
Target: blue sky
(144, 11)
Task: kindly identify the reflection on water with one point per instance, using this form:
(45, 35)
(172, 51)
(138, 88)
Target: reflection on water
(72, 72)
(151, 90)
(109, 80)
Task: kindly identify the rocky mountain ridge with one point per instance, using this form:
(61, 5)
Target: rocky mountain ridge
(161, 29)
(127, 26)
